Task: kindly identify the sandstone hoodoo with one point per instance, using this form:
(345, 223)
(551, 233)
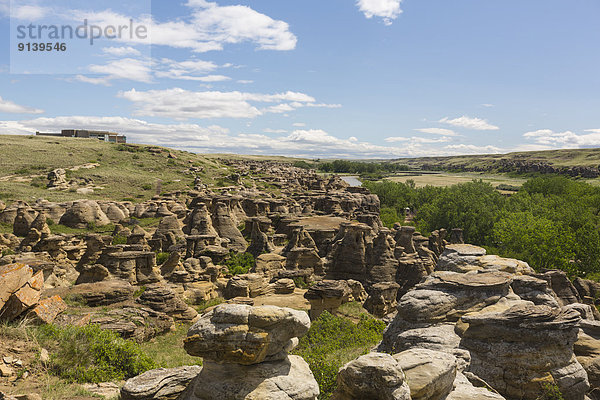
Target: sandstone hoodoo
(248, 269)
(245, 352)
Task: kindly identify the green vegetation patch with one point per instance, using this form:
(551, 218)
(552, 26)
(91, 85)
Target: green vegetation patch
(334, 341)
(239, 263)
(91, 354)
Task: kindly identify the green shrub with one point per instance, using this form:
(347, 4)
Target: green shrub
(551, 392)
(161, 258)
(301, 283)
(239, 263)
(7, 252)
(302, 164)
(333, 341)
(91, 354)
(119, 239)
(209, 303)
(147, 186)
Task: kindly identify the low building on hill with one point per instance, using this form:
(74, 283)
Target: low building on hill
(105, 136)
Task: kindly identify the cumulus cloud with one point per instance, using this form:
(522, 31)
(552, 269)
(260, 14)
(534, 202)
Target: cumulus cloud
(472, 149)
(123, 69)
(388, 10)
(216, 139)
(477, 124)
(121, 51)
(564, 139)
(182, 104)
(416, 139)
(208, 27)
(13, 108)
(438, 131)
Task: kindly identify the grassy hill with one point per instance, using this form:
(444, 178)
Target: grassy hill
(557, 158)
(132, 172)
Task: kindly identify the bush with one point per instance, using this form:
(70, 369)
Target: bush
(333, 341)
(91, 354)
(119, 239)
(161, 258)
(239, 263)
(302, 164)
(147, 186)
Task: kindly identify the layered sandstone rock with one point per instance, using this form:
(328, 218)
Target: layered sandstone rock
(245, 349)
(375, 376)
(327, 295)
(498, 342)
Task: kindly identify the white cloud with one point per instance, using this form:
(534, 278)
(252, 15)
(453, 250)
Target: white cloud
(194, 137)
(477, 124)
(438, 131)
(299, 124)
(121, 51)
(269, 130)
(182, 104)
(208, 27)
(565, 139)
(12, 108)
(386, 9)
(126, 68)
(472, 149)
(487, 105)
(245, 81)
(416, 139)
(29, 12)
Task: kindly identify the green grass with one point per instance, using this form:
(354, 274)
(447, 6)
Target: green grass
(333, 341)
(167, 350)
(209, 303)
(5, 228)
(90, 354)
(121, 173)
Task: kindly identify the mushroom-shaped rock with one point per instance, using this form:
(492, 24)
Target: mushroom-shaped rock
(375, 376)
(517, 350)
(327, 295)
(235, 333)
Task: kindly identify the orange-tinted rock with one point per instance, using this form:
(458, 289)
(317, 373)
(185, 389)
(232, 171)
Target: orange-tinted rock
(12, 277)
(47, 310)
(19, 302)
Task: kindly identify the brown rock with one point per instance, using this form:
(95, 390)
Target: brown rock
(47, 310)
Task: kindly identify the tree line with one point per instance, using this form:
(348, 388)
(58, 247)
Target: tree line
(552, 222)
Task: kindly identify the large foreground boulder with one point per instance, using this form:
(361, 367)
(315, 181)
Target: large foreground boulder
(521, 349)
(159, 384)
(244, 352)
(375, 376)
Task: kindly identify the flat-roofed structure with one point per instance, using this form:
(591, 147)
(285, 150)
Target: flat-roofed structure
(105, 136)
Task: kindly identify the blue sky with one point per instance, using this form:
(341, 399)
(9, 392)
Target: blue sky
(336, 78)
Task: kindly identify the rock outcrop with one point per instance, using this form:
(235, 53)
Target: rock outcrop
(245, 356)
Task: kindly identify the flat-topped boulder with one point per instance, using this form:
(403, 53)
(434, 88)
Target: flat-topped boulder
(327, 295)
(466, 258)
(375, 376)
(515, 351)
(242, 334)
(446, 296)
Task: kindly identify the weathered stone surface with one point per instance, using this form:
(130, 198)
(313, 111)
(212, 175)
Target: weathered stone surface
(103, 293)
(226, 227)
(284, 286)
(464, 390)
(375, 376)
(446, 296)
(163, 299)
(589, 291)
(47, 309)
(269, 265)
(159, 384)
(12, 278)
(286, 379)
(24, 298)
(561, 285)
(233, 333)
(359, 293)
(259, 241)
(535, 290)
(430, 374)
(516, 350)
(327, 295)
(382, 299)
(466, 258)
(84, 213)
